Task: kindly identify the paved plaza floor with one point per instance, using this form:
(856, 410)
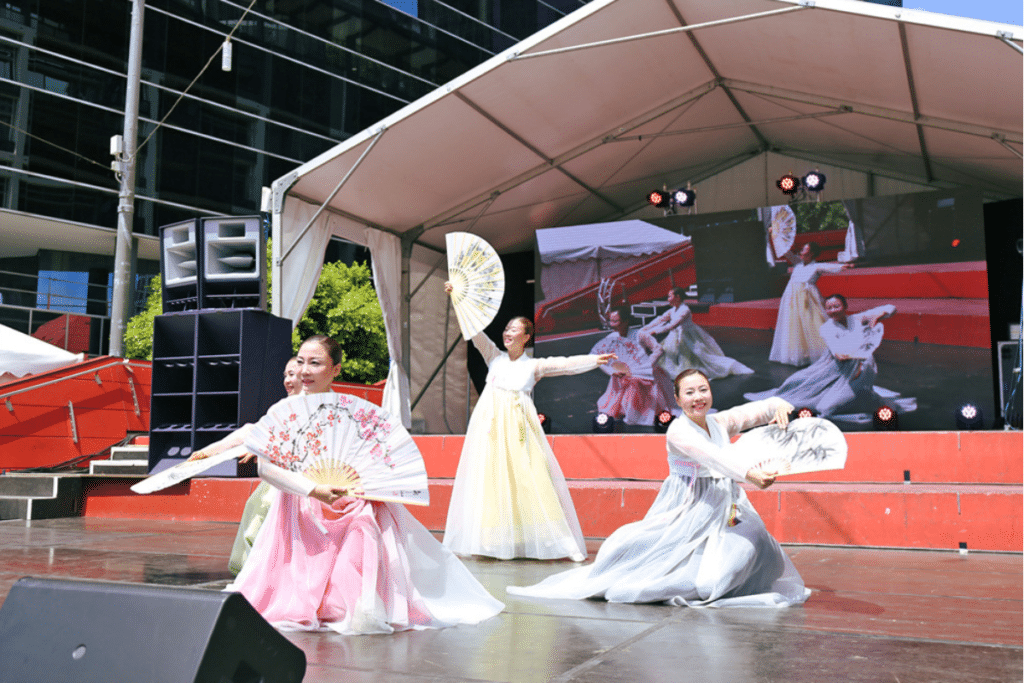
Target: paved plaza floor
(875, 615)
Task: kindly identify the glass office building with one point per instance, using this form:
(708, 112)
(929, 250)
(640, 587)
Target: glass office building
(305, 75)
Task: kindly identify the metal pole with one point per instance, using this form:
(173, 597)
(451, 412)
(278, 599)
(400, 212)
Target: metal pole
(120, 299)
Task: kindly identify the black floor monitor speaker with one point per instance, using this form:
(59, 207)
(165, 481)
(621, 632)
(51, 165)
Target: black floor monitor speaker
(91, 632)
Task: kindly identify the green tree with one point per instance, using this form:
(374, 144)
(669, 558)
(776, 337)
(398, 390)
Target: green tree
(138, 333)
(345, 308)
(819, 216)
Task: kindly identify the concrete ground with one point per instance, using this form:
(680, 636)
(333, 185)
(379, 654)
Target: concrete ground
(874, 615)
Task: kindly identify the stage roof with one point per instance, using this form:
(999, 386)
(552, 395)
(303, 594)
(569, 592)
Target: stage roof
(576, 123)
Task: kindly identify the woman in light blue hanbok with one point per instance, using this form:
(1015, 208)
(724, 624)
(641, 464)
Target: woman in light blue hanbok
(702, 543)
(687, 345)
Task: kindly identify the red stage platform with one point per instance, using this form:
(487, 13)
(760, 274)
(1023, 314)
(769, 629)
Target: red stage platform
(942, 490)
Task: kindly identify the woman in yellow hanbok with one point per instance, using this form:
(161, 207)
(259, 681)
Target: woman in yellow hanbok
(510, 498)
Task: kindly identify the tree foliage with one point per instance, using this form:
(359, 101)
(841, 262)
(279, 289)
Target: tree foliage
(818, 216)
(345, 307)
(138, 333)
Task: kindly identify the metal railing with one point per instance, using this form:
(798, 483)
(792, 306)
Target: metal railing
(128, 363)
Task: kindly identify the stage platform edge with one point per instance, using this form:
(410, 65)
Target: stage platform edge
(926, 490)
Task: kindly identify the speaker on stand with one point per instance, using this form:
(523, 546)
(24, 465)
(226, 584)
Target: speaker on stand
(55, 631)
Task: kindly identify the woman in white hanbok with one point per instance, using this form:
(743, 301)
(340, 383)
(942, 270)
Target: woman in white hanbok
(701, 543)
(840, 385)
(688, 345)
(509, 498)
(638, 388)
(801, 309)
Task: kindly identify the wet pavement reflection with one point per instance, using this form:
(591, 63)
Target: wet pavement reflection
(875, 615)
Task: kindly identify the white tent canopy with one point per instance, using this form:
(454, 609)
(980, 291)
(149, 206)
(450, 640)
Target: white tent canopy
(576, 123)
(586, 253)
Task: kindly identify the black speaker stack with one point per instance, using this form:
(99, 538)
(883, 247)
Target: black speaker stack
(217, 354)
(56, 631)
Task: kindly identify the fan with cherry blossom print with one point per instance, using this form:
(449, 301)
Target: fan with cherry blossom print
(344, 441)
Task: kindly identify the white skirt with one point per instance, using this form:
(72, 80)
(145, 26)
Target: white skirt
(700, 544)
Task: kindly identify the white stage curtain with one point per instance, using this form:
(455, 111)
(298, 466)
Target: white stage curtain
(298, 282)
(386, 256)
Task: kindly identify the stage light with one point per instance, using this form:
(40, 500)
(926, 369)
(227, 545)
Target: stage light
(684, 197)
(662, 420)
(814, 181)
(659, 198)
(545, 422)
(885, 419)
(789, 184)
(604, 424)
(969, 416)
(955, 243)
(803, 412)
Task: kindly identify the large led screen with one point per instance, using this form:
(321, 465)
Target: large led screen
(747, 296)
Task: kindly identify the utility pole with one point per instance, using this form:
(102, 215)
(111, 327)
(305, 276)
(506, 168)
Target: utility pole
(124, 251)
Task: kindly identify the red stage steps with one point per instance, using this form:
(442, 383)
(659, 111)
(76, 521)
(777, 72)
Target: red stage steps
(963, 488)
(78, 410)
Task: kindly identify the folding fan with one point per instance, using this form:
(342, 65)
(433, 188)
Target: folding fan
(185, 470)
(782, 231)
(808, 444)
(477, 279)
(343, 441)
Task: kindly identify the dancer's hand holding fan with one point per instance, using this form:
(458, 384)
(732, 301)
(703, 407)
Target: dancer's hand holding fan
(477, 281)
(807, 444)
(343, 442)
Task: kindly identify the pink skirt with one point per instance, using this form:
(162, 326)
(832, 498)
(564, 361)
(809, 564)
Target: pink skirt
(357, 567)
(636, 400)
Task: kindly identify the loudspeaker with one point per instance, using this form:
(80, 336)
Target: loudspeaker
(92, 632)
(180, 265)
(214, 370)
(213, 263)
(234, 264)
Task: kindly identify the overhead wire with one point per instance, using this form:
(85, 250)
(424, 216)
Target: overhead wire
(194, 80)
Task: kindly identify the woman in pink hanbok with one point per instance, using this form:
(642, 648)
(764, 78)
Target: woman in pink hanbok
(326, 561)
(801, 309)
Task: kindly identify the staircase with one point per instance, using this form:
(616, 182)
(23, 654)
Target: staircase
(40, 496)
(928, 490)
(124, 460)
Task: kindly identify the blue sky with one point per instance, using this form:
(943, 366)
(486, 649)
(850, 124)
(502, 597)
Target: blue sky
(1004, 11)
